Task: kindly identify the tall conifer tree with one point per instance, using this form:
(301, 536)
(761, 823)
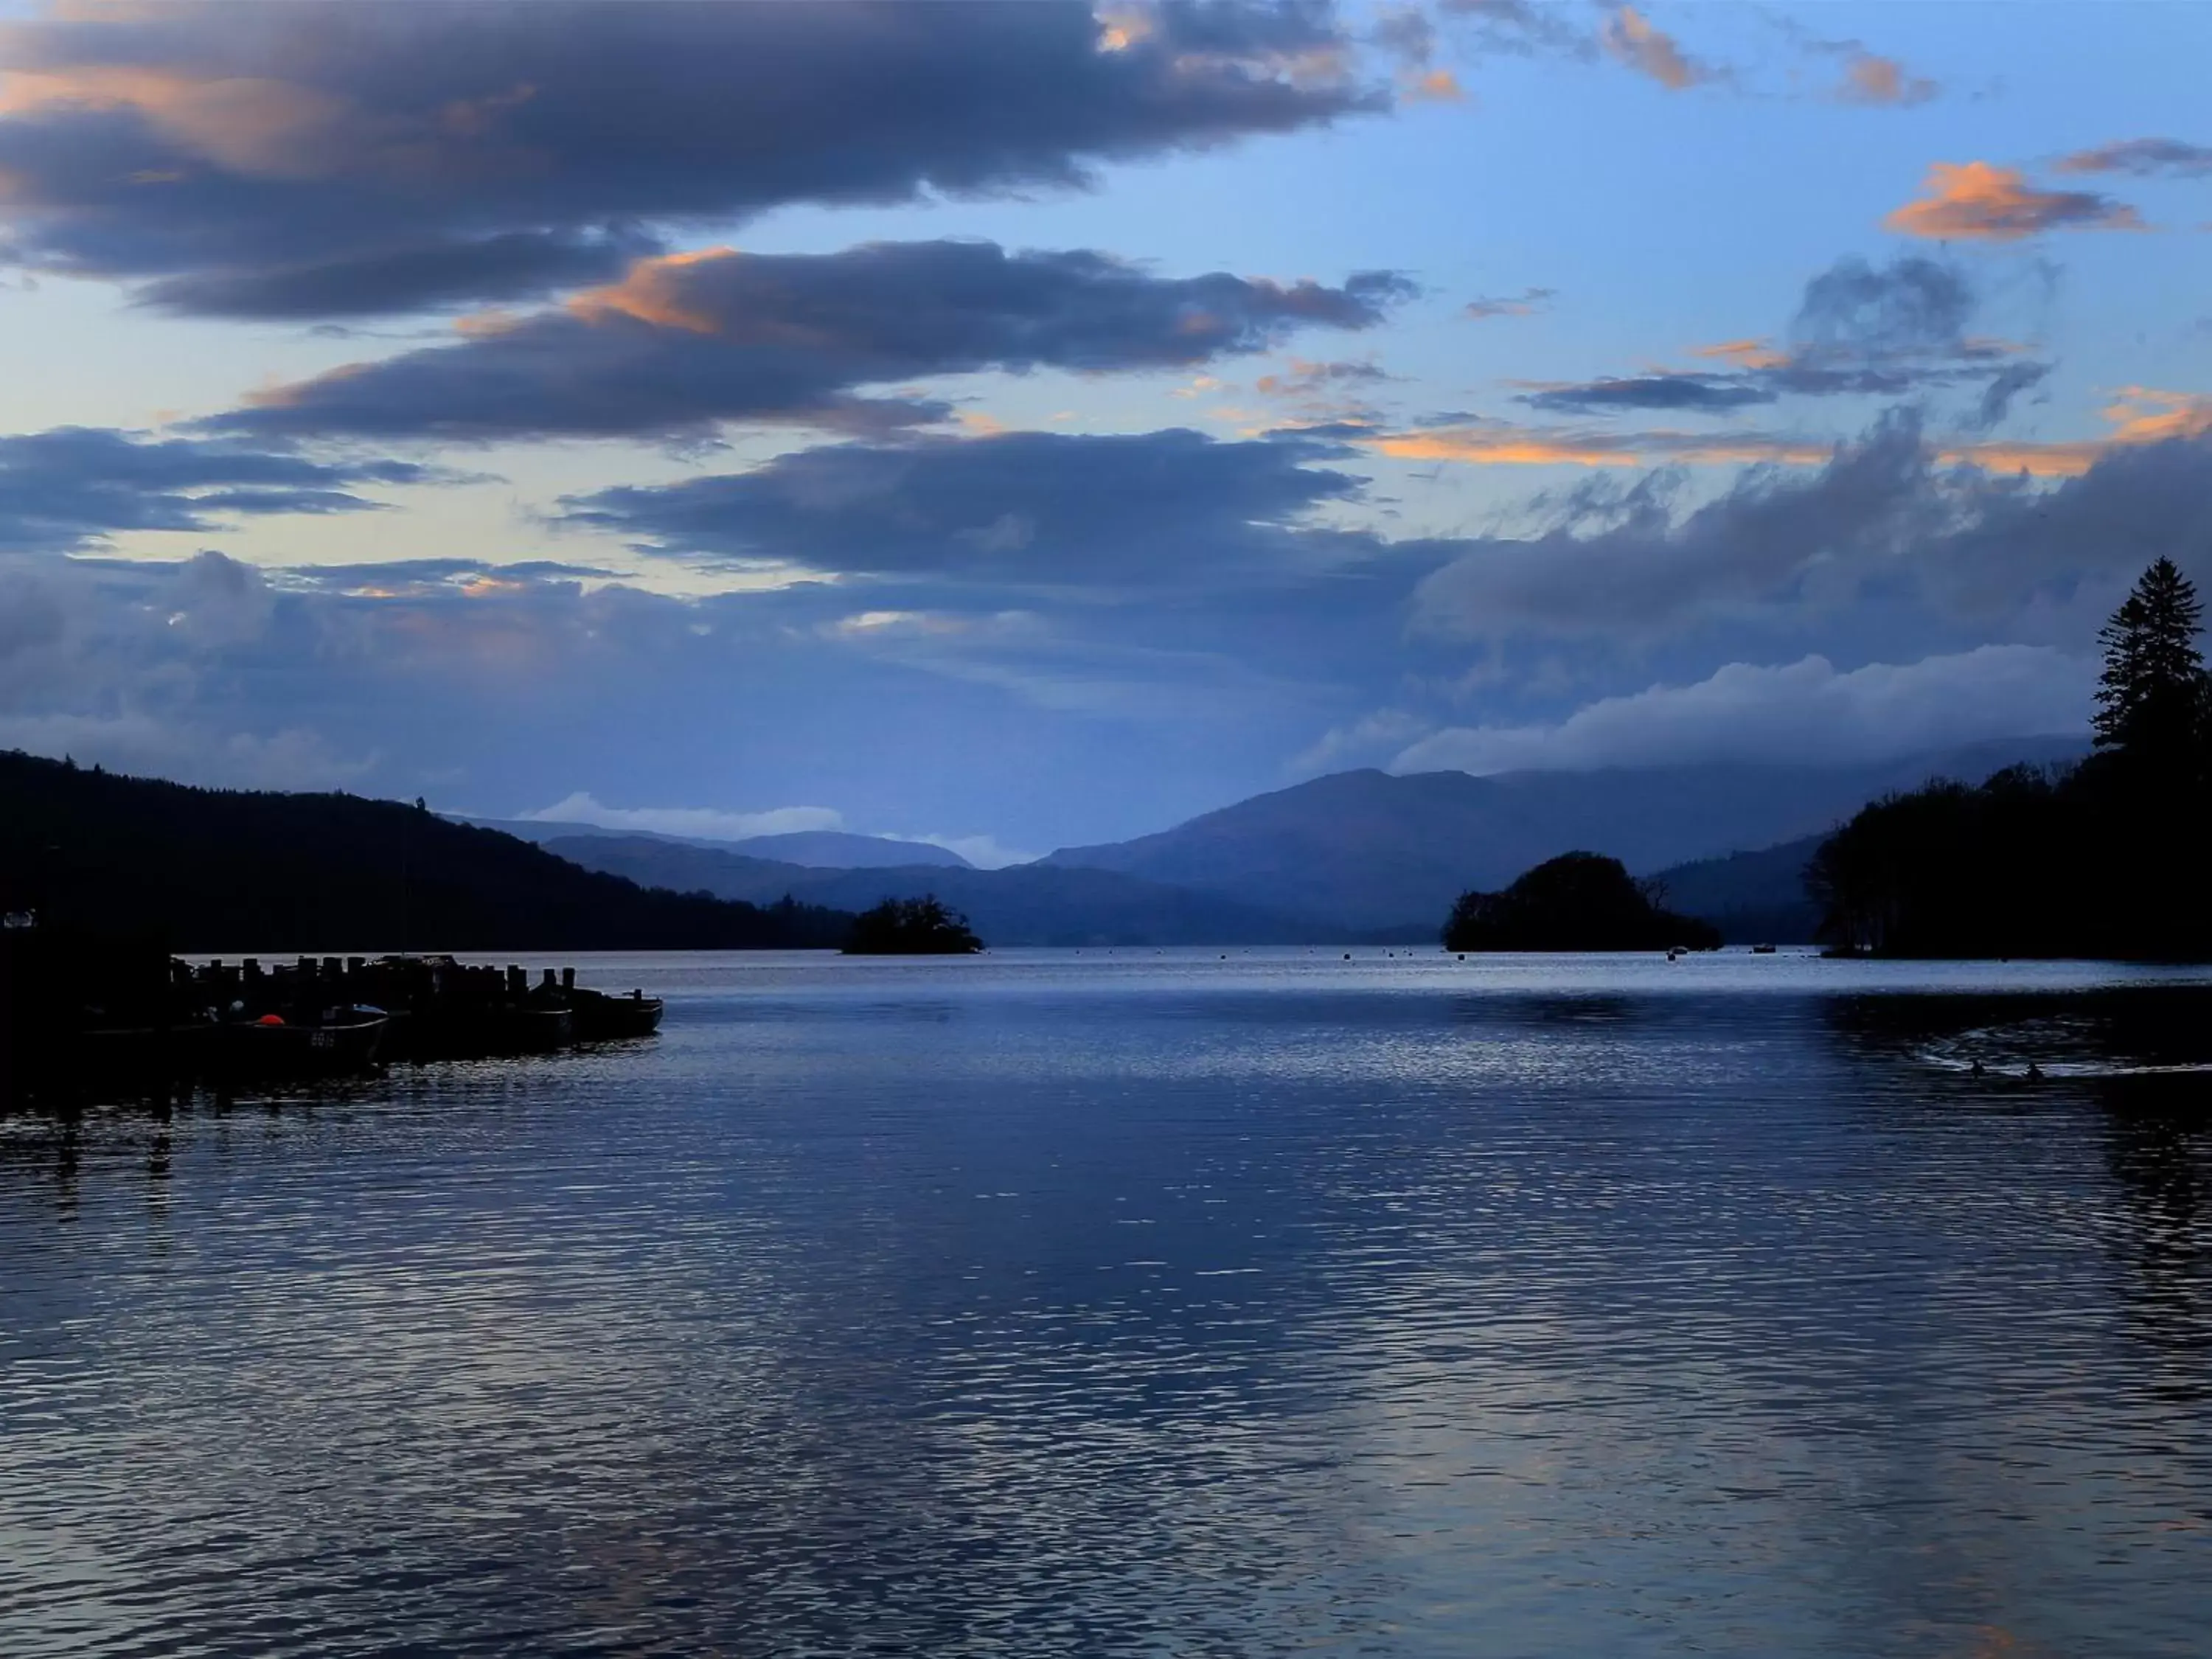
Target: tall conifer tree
(2151, 697)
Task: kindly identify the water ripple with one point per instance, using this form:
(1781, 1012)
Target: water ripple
(1146, 1305)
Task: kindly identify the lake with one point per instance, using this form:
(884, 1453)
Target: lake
(1149, 1303)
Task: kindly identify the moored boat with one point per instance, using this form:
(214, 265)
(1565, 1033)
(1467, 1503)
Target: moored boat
(600, 1018)
(344, 1041)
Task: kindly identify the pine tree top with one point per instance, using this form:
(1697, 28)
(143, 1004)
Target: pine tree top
(2153, 686)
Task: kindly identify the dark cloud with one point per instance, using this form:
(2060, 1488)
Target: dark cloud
(1894, 330)
(494, 689)
(74, 487)
(1702, 393)
(1885, 523)
(1913, 304)
(512, 265)
(685, 342)
(1526, 302)
(2145, 158)
(2006, 384)
(1023, 510)
(378, 156)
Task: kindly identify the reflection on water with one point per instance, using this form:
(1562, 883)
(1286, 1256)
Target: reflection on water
(1148, 1303)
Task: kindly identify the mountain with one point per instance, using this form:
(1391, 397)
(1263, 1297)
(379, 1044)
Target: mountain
(1366, 849)
(832, 849)
(1025, 904)
(1752, 897)
(827, 849)
(235, 871)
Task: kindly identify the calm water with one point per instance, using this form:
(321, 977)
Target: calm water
(1060, 1303)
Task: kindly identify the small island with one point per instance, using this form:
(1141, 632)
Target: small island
(1577, 902)
(924, 927)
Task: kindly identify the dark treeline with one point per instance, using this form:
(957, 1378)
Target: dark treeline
(2106, 859)
(234, 871)
(1577, 902)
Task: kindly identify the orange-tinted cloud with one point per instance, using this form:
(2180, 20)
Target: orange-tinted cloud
(1745, 354)
(1434, 87)
(1870, 78)
(1501, 443)
(1975, 201)
(2138, 416)
(656, 290)
(1650, 51)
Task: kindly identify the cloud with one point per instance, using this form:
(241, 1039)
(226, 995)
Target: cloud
(1508, 443)
(1023, 510)
(2004, 386)
(1526, 303)
(1889, 521)
(1974, 201)
(1305, 379)
(1525, 28)
(1872, 79)
(116, 663)
(238, 159)
(2139, 415)
(699, 822)
(288, 758)
(1631, 38)
(1788, 713)
(2144, 158)
(1384, 731)
(75, 487)
(1914, 305)
(1860, 330)
(1665, 389)
(684, 342)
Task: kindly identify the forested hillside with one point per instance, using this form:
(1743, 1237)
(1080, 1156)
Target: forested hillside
(225, 870)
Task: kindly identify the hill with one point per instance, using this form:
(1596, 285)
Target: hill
(1751, 897)
(234, 871)
(832, 849)
(1025, 904)
(1367, 850)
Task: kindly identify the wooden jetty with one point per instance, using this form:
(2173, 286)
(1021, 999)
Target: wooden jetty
(78, 1016)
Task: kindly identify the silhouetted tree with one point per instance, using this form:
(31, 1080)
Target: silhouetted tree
(2151, 697)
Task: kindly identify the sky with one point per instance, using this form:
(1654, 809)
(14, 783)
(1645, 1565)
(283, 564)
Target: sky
(1018, 425)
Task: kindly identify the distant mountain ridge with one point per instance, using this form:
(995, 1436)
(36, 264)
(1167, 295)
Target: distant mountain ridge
(1022, 904)
(1367, 850)
(826, 849)
(832, 849)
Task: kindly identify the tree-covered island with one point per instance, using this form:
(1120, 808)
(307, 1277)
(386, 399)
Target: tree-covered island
(923, 926)
(1577, 902)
